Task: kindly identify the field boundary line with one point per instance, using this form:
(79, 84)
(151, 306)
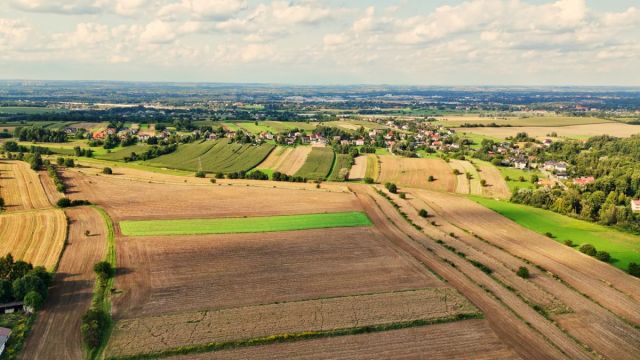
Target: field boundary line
(292, 337)
(102, 291)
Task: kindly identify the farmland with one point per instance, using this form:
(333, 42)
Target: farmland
(359, 169)
(286, 160)
(120, 153)
(214, 156)
(20, 187)
(623, 247)
(243, 225)
(318, 164)
(299, 317)
(570, 131)
(415, 173)
(341, 168)
(521, 121)
(36, 236)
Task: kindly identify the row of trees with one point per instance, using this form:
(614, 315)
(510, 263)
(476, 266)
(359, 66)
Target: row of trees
(20, 281)
(40, 134)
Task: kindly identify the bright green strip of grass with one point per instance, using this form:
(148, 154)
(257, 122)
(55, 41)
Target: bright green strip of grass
(623, 247)
(243, 225)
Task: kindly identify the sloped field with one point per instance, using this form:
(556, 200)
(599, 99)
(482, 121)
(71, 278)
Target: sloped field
(318, 164)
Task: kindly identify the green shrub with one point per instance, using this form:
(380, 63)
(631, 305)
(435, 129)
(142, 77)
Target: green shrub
(94, 325)
(368, 180)
(431, 178)
(523, 272)
(104, 270)
(34, 300)
(634, 269)
(403, 195)
(107, 171)
(568, 243)
(200, 174)
(423, 213)
(603, 256)
(588, 249)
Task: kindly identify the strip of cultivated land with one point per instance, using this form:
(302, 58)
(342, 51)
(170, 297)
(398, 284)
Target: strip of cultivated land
(460, 340)
(35, 236)
(287, 160)
(20, 187)
(318, 164)
(243, 225)
(574, 131)
(411, 172)
(623, 247)
(359, 169)
(155, 334)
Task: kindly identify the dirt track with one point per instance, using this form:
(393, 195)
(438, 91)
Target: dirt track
(56, 333)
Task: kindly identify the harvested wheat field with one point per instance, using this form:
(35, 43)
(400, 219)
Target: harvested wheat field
(130, 199)
(191, 273)
(359, 169)
(286, 160)
(34, 236)
(462, 340)
(414, 173)
(495, 186)
(573, 131)
(55, 333)
(153, 334)
(577, 299)
(20, 187)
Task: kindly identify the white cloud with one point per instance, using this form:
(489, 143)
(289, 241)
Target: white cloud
(256, 52)
(13, 33)
(58, 6)
(159, 32)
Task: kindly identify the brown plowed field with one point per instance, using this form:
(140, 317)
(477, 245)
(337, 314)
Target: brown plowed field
(359, 169)
(462, 183)
(414, 173)
(515, 322)
(287, 161)
(20, 187)
(496, 186)
(135, 199)
(34, 236)
(462, 340)
(176, 274)
(591, 323)
(56, 333)
(152, 334)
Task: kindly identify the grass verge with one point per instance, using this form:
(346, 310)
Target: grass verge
(244, 225)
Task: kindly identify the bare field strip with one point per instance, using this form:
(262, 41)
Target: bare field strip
(35, 236)
(496, 186)
(130, 200)
(373, 166)
(359, 169)
(414, 173)
(532, 121)
(152, 334)
(193, 273)
(288, 161)
(582, 318)
(56, 334)
(573, 131)
(605, 284)
(462, 340)
(20, 187)
(462, 183)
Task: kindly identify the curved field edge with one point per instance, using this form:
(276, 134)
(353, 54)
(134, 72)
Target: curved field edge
(243, 225)
(280, 338)
(102, 290)
(623, 247)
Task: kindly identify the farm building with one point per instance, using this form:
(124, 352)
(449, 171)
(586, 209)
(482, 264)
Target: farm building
(4, 337)
(583, 181)
(11, 307)
(635, 205)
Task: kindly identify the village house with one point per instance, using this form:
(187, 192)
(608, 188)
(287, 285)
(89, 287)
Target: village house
(4, 337)
(99, 135)
(635, 205)
(521, 164)
(359, 142)
(584, 181)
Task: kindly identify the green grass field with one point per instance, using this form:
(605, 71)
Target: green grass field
(281, 126)
(119, 153)
(514, 177)
(243, 225)
(26, 110)
(256, 129)
(341, 167)
(318, 164)
(214, 156)
(623, 247)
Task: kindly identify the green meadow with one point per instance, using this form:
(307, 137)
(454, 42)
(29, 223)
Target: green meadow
(243, 225)
(623, 247)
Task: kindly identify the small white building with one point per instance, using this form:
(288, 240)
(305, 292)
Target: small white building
(635, 205)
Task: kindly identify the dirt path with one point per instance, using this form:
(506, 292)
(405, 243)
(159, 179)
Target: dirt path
(517, 324)
(56, 333)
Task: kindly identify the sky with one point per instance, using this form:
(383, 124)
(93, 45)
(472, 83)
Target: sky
(401, 42)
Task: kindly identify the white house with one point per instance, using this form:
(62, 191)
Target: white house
(4, 337)
(635, 205)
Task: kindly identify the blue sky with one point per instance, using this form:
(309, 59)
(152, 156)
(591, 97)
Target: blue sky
(472, 42)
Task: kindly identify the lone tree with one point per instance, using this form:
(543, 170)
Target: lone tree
(523, 272)
(368, 180)
(431, 178)
(588, 249)
(423, 213)
(104, 270)
(107, 171)
(634, 269)
(603, 256)
(200, 174)
(1, 203)
(33, 300)
(483, 182)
